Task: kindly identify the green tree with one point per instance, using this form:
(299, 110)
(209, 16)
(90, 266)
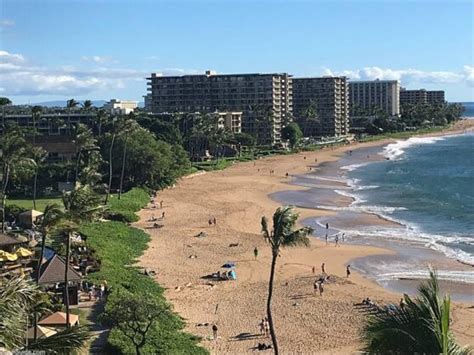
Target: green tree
(4, 101)
(282, 235)
(13, 153)
(134, 315)
(421, 326)
(35, 115)
(38, 156)
(311, 120)
(87, 105)
(292, 133)
(129, 126)
(70, 105)
(87, 153)
(80, 204)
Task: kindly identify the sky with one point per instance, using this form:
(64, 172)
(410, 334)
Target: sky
(103, 49)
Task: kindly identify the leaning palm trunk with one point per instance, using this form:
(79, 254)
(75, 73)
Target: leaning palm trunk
(110, 169)
(66, 279)
(122, 174)
(269, 302)
(35, 182)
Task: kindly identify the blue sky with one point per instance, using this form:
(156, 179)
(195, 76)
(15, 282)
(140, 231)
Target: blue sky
(104, 49)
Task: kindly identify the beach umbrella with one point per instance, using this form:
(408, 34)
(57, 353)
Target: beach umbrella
(4, 256)
(228, 265)
(22, 252)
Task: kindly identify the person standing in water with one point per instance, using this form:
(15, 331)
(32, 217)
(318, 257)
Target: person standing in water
(348, 271)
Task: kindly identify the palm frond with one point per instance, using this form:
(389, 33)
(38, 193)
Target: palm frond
(65, 342)
(298, 238)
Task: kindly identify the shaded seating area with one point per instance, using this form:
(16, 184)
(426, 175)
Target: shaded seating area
(52, 279)
(29, 219)
(14, 259)
(41, 332)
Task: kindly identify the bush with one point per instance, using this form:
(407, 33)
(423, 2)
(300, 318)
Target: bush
(123, 210)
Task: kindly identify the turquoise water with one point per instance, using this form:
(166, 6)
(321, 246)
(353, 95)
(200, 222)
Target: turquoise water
(428, 186)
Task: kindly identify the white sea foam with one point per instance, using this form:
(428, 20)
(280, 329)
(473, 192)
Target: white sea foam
(353, 167)
(395, 150)
(448, 275)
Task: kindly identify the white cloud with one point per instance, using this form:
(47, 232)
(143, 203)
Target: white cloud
(19, 77)
(99, 59)
(6, 23)
(407, 76)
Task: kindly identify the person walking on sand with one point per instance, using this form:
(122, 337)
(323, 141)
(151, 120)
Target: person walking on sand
(336, 239)
(343, 236)
(210, 222)
(163, 215)
(314, 270)
(214, 331)
(326, 238)
(348, 271)
(315, 287)
(215, 221)
(322, 268)
(255, 252)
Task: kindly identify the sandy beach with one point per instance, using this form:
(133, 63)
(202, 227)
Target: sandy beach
(238, 197)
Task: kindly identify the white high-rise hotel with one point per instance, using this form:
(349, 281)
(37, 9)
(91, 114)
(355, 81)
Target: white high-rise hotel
(371, 97)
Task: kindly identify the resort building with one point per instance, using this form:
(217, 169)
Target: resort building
(329, 98)
(367, 98)
(421, 96)
(231, 121)
(265, 100)
(435, 97)
(117, 107)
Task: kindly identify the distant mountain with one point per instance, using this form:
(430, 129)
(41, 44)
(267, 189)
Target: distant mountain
(62, 103)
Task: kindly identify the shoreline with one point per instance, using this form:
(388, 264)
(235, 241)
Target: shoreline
(237, 197)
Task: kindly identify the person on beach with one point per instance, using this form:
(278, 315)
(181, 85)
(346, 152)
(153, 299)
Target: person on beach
(255, 252)
(315, 160)
(314, 270)
(210, 222)
(163, 215)
(322, 268)
(286, 174)
(348, 271)
(327, 226)
(215, 221)
(343, 236)
(262, 326)
(161, 204)
(326, 238)
(315, 287)
(267, 327)
(336, 239)
(214, 331)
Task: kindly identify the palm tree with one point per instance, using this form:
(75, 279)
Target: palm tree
(35, 114)
(114, 133)
(129, 127)
(282, 235)
(101, 118)
(85, 142)
(311, 119)
(18, 297)
(87, 105)
(4, 101)
(421, 326)
(70, 104)
(38, 157)
(13, 152)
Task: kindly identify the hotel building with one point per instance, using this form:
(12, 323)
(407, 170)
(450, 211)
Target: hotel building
(265, 100)
(421, 96)
(330, 97)
(368, 97)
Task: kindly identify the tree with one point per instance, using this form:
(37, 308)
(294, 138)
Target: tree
(80, 204)
(292, 133)
(87, 149)
(35, 115)
(87, 105)
(4, 101)
(113, 134)
(13, 153)
(421, 326)
(311, 120)
(282, 235)
(129, 126)
(18, 297)
(134, 315)
(38, 155)
(101, 118)
(70, 104)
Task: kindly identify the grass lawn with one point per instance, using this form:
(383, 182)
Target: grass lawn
(41, 203)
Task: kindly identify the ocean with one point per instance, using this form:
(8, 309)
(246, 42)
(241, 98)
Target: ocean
(426, 186)
(414, 197)
(468, 109)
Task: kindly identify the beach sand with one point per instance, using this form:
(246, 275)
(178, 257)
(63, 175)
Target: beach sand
(238, 197)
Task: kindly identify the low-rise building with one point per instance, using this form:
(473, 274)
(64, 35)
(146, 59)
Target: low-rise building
(410, 97)
(119, 107)
(435, 96)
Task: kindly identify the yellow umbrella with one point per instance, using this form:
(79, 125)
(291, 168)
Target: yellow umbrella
(23, 252)
(4, 256)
